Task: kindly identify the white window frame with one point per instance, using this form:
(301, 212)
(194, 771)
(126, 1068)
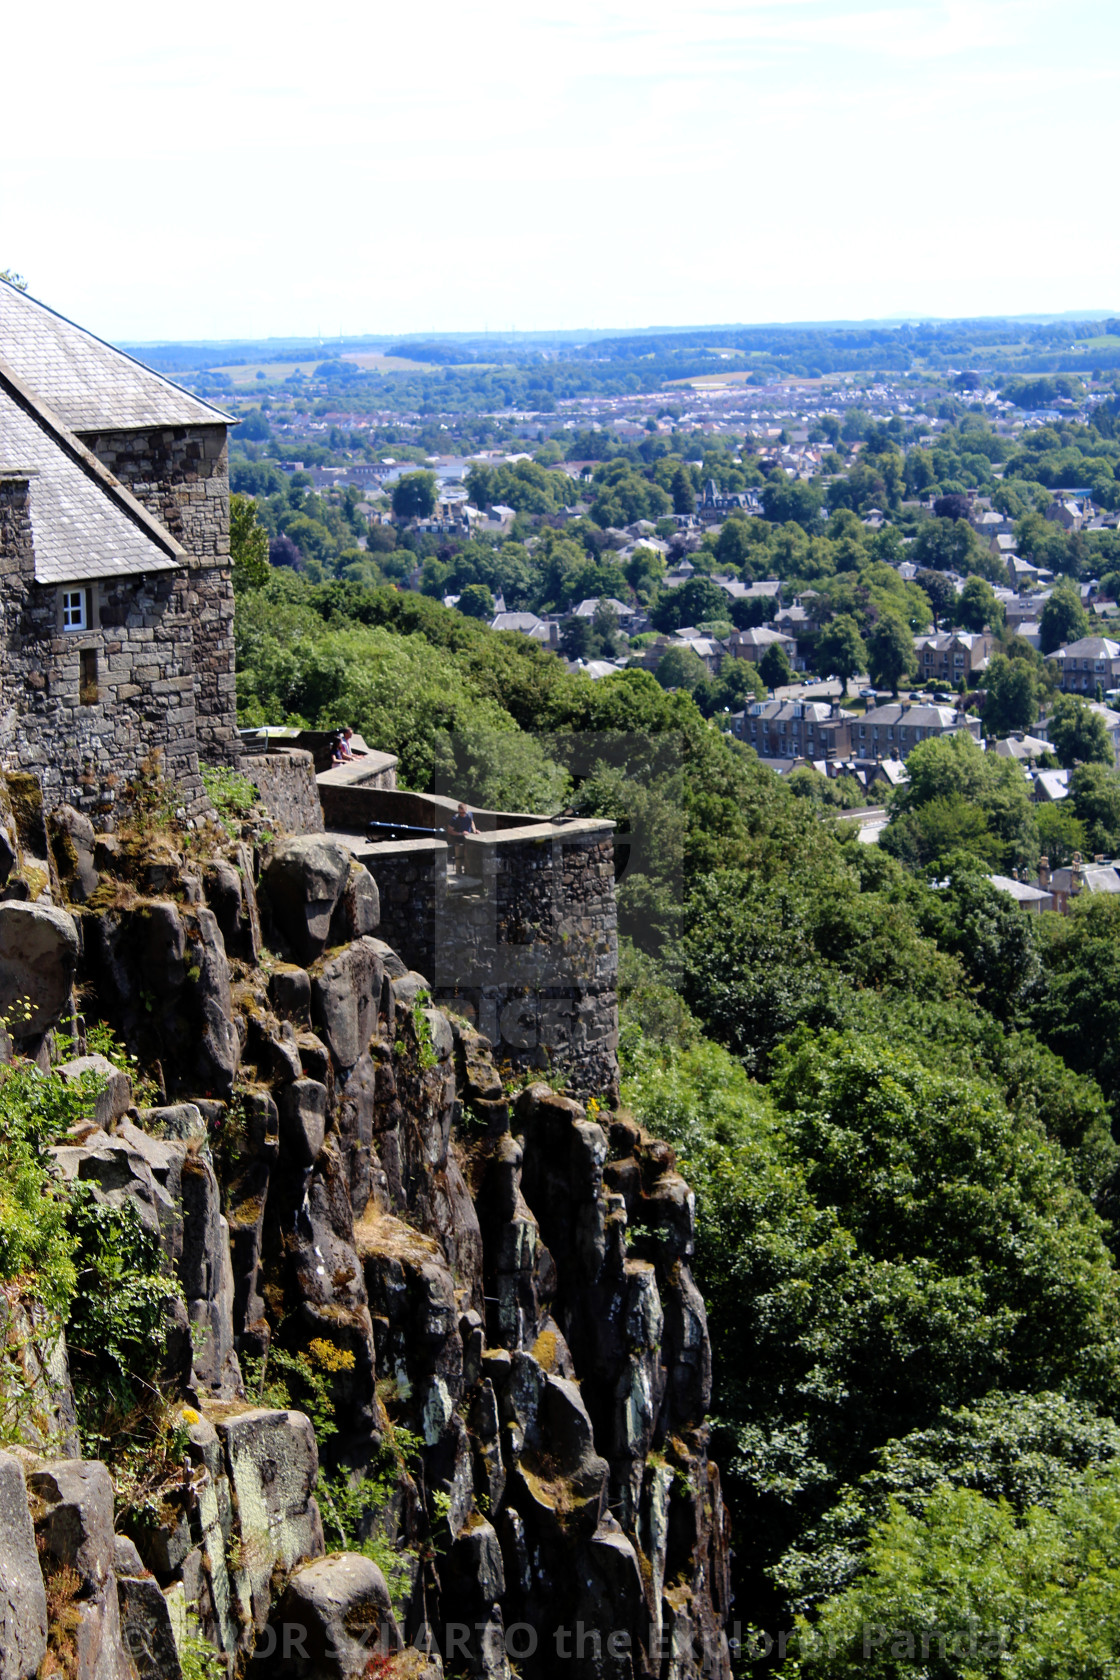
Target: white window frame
(74, 601)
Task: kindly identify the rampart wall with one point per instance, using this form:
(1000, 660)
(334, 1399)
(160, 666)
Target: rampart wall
(525, 945)
(286, 784)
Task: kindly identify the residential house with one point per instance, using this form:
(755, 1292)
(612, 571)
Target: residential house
(587, 609)
(1020, 746)
(1048, 786)
(1032, 899)
(1069, 883)
(1067, 513)
(705, 647)
(752, 644)
(810, 729)
(895, 729)
(1085, 663)
(949, 655)
(528, 624)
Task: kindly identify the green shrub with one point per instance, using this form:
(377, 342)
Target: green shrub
(231, 794)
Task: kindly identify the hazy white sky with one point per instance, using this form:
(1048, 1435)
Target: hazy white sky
(225, 169)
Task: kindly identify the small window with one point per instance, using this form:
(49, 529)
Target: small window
(88, 692)
(75, 609)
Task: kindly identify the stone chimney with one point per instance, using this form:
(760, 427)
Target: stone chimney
(1075, 874)
(17, 548)
(1044, 873)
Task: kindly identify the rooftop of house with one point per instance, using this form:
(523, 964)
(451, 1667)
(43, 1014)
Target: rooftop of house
(815, 711)
(1051, 785)
(905, 711)
(586, 609)
(1020, 745)
(1021, 891)
(88, 384)
(84, 523)
(760, 638)
(526, 622)
(1090, 647)
(942, 639)
(1095, 878)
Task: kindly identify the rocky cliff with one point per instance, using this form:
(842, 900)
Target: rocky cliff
(434, 1371)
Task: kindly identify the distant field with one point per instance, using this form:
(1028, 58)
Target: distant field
(272, 371)
(732, 377)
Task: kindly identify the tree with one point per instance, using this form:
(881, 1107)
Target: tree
(1029, 1449)
(774, 667)
(892, 1243)
(282, 551)
(1094, 793)
(1060, 834)
(688, 603)
(840, 650)
(969, 1587)
(1010, 695)
(951, 545)
(10, 276)
(604, 625)
(476, 601)
(1078, 735)
(739, 541)
(248, 545)
(978, 607)
(890, 653)
(959, 796)
(791, 499)
(1079, 1014)
(414, 495)
(1063, 619)
(682, 492)
(681, 667)
(941, 595)
(736, 686)
(575, 638)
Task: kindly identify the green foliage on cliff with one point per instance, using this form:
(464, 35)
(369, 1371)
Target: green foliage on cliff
(880, 1245)
(76, 1264)
(970, 1587)
(36, 1248)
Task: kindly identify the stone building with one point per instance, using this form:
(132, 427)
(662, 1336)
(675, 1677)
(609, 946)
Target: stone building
(116, 606)
(809, 729)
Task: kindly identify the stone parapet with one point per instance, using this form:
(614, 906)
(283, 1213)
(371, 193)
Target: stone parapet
(525, 945)
(286, 784)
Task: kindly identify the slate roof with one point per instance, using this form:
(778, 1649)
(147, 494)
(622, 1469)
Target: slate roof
(87, 383)
(1090, 647)
(1022, 891)
(84, 523)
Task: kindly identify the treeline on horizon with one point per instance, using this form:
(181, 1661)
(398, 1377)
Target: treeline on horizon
(628, 363)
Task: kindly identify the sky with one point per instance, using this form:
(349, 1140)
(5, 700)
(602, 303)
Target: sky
(227, 170)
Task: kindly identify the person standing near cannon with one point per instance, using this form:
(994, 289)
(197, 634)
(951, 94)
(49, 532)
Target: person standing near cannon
(461, 824)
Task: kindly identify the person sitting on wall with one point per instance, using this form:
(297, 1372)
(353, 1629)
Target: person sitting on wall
(461, 824)
(340, 749)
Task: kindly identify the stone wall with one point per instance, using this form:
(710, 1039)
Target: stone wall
(138, 694)
(526, 947)
(181, 475)
(352, 800)
(286, 784)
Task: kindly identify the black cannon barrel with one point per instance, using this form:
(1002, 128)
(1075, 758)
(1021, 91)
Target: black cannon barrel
(404, 828)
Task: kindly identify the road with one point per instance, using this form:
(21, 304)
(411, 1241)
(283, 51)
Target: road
(871, 822)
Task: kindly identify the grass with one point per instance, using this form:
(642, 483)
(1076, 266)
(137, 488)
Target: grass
(275, 371)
